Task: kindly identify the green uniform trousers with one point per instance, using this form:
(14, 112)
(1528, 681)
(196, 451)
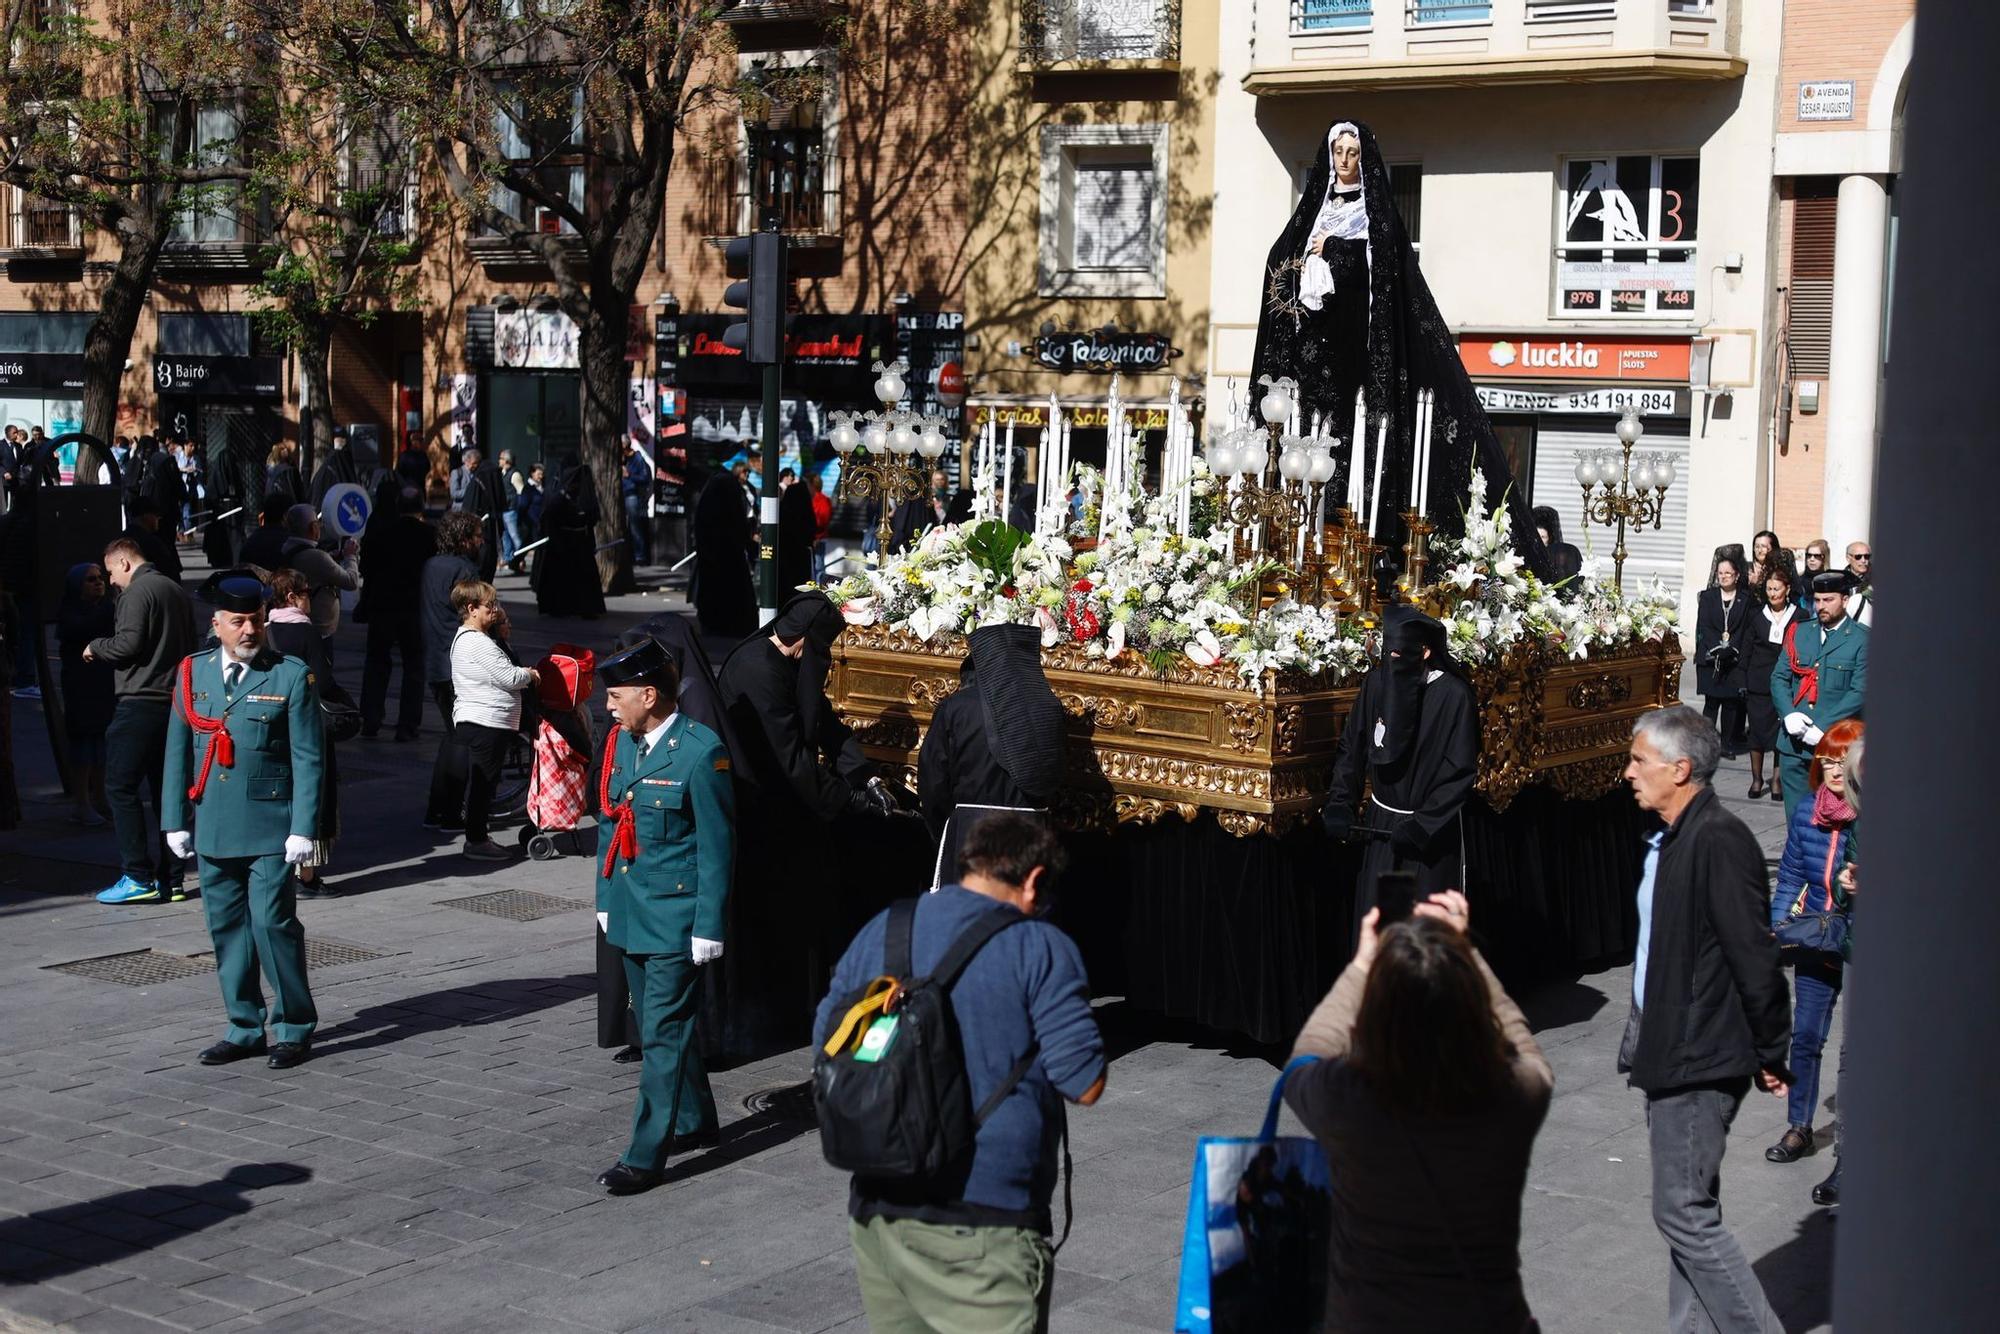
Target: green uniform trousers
(936, 1278)
(674, 1097)
(253, 919)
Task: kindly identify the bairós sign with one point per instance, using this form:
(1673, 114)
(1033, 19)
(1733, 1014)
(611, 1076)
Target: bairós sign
(1105, 353)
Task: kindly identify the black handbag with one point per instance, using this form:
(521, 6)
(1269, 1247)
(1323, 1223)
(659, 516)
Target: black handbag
(339, 722)
(1810, 933)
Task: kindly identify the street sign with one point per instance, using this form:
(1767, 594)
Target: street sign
(345, 509)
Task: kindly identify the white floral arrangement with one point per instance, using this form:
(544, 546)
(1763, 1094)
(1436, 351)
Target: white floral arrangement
(957, 578)
(1502, 602)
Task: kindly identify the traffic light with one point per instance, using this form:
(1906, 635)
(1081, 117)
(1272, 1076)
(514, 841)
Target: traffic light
(758, 260)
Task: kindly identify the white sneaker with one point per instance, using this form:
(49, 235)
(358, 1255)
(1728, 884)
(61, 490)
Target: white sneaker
(488, 851)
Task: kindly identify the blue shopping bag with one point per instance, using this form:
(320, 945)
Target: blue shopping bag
(1253, 1257)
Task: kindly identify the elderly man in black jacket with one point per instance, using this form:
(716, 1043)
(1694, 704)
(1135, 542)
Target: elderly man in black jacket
(1710, 1012)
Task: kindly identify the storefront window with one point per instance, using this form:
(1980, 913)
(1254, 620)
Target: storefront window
(1625, 236)
(39, 331)
(205, 334)
(534, 415)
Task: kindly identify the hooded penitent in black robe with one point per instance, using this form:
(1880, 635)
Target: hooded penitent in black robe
(1413, 736)
(486, 496)
(338, 469)
(724, 598)
(565, 574)
(800, 773)
(797, 527)
(1379, 332)
(997, 741)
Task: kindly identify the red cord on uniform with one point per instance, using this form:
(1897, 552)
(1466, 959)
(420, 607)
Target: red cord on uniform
(625, 830)
(221, 748)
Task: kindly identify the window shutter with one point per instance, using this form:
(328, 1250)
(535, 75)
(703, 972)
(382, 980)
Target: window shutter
(1809, 324)
(1114, 215)
(1406, 183)
(479, 336)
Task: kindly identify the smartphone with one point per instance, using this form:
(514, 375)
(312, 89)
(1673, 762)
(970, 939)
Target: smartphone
(1396, 896)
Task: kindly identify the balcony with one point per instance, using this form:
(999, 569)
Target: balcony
(1100, 34)
(38, 229)
(1321, 46)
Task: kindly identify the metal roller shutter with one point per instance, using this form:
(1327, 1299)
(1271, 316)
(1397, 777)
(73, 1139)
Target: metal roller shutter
(1660, 552)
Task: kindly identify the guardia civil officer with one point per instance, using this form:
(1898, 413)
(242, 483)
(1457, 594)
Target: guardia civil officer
(244, 752)
(1820, 678)
(667, 849)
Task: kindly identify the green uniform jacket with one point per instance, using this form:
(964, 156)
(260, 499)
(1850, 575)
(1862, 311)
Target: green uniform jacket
(684, 813)
(272, 790)
(1843, 678)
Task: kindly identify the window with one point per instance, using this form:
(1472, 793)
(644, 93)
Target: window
(209, 213)
(1625, 235)
(540, 135)
(43, 331)
(1100, 30)
(1310, 16)
(1406, 187)
(1555, 11)
(1691, 8)
(1808, 333)
(201, 334)
(1103, 207)
(377, 181)
(39, 224)
(1422, 12)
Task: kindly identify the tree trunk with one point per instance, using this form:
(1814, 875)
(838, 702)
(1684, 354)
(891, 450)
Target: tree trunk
(315, 368)
(108, 343)
(605, 387)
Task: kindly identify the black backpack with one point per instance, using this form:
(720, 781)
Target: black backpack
(895, 1105)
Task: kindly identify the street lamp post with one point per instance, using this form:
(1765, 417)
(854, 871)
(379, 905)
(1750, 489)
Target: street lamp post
(1623, 498)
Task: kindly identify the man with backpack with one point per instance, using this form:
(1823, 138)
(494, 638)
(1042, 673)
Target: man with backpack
(948, 1108)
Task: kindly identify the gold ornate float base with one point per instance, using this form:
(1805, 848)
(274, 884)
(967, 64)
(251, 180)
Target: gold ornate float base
(1144, 746)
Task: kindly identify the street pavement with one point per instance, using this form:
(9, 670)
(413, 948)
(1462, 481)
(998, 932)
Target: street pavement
(431, 1168)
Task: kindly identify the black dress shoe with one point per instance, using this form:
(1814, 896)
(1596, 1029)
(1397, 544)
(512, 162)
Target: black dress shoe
(1828, 1191)
(623, 1179)
(285, 1055)
(1777, 793)
(1794, 1144)
(1756, 791)
(629, 1055)
(222, 1053)
(701, 1139)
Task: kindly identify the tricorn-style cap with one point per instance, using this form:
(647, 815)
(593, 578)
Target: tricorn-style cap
(636, 665)
(237, 590)
(1833, 581)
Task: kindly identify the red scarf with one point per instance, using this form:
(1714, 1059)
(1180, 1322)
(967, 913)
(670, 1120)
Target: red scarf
(1808, 691)
(221, 748)
(1830, 809)
(625, 830)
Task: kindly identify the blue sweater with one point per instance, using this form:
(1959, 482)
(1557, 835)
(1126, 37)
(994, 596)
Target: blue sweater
(1027, 985)
(1808, 867)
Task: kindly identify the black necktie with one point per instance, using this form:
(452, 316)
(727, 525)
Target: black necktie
(639, 750)
(233, 677)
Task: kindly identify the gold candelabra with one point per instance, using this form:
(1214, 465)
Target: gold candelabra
(1416, 555)
(1623, 498)
(889, 460)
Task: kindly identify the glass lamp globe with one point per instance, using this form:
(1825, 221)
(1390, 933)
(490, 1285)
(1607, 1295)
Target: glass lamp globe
(1586, 470)
(1256, 453)
(902, 440)
(1323, 465)
(931, 442)
(1277, 405)
(1630, 428)
(1663, 471)
(876, 438)
(1642, 474)
(843, 438)
(1294, 464)
(1222, 456)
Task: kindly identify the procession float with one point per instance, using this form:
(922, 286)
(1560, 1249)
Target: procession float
(1207, 632)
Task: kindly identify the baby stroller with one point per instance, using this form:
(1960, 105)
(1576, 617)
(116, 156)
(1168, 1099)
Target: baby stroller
(559, 789)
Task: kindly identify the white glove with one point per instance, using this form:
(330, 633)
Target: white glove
(604, 921)
(705, 951)
(181, 843)
(1796, 723)
(1812, 736)
(298, 849)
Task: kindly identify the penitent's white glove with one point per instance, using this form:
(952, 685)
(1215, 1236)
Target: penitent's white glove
(1796, 723)
(1812, 736)
(298, 849)
(705, 951)
(604, 921)
(181, 843)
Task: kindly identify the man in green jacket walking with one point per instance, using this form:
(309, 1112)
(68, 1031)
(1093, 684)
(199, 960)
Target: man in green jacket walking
(244, 752)
(667, 850)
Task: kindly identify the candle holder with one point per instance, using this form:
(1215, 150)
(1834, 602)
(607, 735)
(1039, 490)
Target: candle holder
(1416, 555)
(1623, 498)
(872, 467)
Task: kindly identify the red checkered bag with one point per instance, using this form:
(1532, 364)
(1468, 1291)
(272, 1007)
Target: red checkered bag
(559, 793)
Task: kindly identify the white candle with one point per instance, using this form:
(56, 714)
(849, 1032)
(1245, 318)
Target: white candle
(1424, 456)
(1354, 483)
(1007, 476)
(1381, 466)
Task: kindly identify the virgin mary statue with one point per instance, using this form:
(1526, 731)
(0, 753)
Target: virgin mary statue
(1346, 311)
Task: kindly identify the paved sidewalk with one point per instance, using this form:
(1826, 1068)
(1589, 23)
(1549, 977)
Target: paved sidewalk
(431, 1168)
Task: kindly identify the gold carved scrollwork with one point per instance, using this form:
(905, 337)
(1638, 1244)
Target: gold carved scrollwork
(931, 690)
(1595, 694)
(1285, 738)
(1246, 725)
(885, 733)
(1107, 711)
(1240, 823)
(1587, 779)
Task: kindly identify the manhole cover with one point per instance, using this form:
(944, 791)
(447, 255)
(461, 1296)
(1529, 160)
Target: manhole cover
(321, 953)
(787, 1102)
(517, 905)
(138, 968)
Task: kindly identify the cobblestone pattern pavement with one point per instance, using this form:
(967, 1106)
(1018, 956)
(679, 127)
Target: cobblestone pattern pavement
(431, 1168)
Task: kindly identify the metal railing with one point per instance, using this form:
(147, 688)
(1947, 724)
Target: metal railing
(37, 225)
(1095, 31)
(385, 197)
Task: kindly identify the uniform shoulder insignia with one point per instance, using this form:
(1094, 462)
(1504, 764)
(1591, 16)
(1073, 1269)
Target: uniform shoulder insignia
(722, 764)
(309, 677)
